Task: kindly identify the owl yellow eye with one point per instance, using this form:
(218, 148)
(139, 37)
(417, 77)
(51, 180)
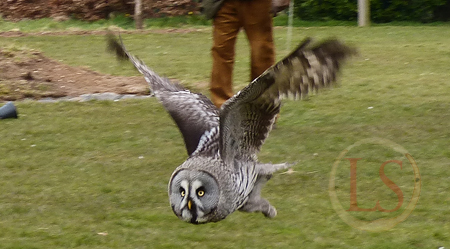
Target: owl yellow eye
(201, 193)
(182, 193)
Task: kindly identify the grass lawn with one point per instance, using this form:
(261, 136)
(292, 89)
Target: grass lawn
(95, 174)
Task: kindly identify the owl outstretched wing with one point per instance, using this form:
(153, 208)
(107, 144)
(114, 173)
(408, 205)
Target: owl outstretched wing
(195, 115)
(247, 118)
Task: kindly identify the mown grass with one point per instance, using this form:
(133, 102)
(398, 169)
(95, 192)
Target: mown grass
(126, 22)
(94, 174)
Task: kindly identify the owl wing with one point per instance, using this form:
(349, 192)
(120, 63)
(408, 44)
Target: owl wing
(195, 115)
(247, 118)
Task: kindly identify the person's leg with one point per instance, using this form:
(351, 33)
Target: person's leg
(257, 22)
(226, 26)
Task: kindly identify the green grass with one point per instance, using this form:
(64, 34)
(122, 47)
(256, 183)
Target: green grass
(122, 21)
(126, 22)
(72, 172)
(48, 24)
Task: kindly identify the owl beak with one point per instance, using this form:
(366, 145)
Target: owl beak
(189, 204)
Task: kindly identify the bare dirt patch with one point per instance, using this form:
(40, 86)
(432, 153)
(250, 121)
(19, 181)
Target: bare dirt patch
(29, 74)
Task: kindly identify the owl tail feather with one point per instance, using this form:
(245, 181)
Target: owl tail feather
(115, 47)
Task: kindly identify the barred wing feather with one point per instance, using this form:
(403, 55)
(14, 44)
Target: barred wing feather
(195, 115)
(247, 118)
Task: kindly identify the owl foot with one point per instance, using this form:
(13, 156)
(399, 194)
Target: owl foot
(260, 205)
(271, 212)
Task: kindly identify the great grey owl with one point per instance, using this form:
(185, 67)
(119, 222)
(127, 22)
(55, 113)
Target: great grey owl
(222, 173)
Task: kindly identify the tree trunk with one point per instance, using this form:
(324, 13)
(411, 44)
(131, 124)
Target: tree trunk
(138, 14)
(363, 13)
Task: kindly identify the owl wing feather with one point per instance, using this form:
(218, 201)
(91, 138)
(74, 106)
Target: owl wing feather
(247, 118)
(195, 115)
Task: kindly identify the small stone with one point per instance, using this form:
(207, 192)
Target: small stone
(48, 100)
(86, 97)
(128, 96)
(106, 96)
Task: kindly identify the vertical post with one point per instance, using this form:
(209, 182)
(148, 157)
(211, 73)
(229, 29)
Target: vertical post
(363, 13)
(290, 23)
(138, 14)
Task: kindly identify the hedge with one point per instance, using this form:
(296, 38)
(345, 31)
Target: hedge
(381, 11)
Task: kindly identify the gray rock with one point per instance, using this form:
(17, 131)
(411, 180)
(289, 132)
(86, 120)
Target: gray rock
(86, 97)
(132, 96)
(48, 100)
(93, 96)
(106, 96)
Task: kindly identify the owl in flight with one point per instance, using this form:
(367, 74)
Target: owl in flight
(222, 173)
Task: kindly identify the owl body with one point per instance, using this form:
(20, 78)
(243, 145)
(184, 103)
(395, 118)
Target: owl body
(222, 173)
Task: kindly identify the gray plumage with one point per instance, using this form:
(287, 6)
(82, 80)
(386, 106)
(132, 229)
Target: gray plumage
(222, 173)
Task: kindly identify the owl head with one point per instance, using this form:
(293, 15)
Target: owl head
(194, 194)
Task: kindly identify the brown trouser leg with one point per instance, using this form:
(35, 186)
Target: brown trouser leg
(255, 17)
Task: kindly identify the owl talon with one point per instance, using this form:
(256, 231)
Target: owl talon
(271, 213)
